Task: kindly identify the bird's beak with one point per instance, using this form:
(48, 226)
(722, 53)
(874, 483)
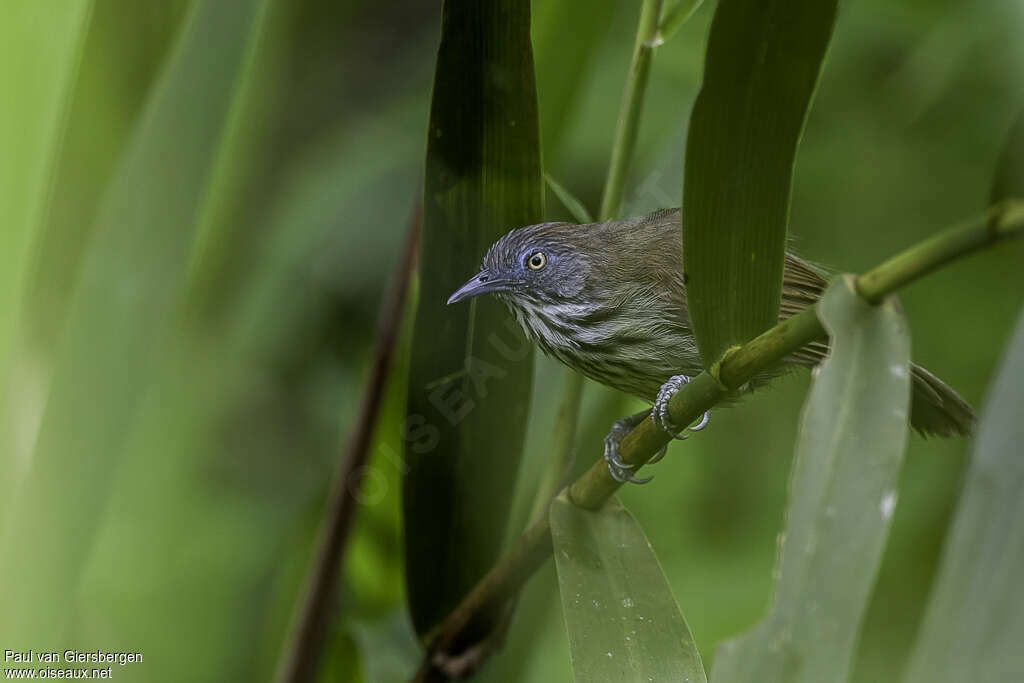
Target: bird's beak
(481, 283)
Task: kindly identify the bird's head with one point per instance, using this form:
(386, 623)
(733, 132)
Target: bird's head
(538, 265)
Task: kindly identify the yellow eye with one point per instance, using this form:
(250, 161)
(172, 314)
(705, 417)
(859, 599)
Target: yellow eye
(537, 261)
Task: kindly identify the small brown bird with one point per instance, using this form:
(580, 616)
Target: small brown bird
(609, 300)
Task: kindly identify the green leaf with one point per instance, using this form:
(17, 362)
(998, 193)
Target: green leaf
(470, 370)
(120, 313)
(567, 42)
(843, 493)
(93, 123)
(40, 48)
(763, 62)
(623, 621)
(113, 79)
(974, 623)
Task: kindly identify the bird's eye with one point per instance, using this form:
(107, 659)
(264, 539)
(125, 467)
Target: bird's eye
(537, 260)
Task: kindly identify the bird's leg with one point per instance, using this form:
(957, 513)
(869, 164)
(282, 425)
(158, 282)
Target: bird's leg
(660, 416)
(619, 470)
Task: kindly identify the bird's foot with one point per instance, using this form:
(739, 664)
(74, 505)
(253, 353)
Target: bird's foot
(622, 471)
(660, 416)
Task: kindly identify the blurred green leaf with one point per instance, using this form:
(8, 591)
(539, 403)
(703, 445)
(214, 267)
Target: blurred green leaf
(122, 309)
(470, 370)
(113, 82)
(843, 494)
(763, 62)
(623, 621)
(108, 91)
(40, 49)
(974, 625)
(566, 41)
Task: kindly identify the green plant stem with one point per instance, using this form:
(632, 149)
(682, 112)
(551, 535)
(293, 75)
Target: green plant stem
(632, 105)
(1001, 222)
(561, 445)
(611, 204)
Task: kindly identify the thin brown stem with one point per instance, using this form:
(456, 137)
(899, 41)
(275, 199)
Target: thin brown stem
(301, 659)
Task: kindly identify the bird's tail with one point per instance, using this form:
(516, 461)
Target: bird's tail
(935, 408)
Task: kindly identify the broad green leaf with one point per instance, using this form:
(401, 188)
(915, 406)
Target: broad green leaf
(623, 621)
(120, 312)
(763, 62)
(113, 81)
(843, 493)
(108, 91)
(40, 48)
(470, 370)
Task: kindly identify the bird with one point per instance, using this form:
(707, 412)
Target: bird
(608, 300)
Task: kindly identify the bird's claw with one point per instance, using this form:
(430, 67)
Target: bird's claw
(659, 455)
(623, 471)
(659, 413)
(620, 471)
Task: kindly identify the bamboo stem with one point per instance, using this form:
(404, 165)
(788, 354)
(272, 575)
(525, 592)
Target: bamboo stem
(1001, 222)
(632, 105)
(562, 440)
(611, 204)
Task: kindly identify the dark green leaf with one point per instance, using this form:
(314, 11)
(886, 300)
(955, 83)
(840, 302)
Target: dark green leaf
(763, 61)
(624, 624)
(470, 370)
(123, 304)
(843, 493)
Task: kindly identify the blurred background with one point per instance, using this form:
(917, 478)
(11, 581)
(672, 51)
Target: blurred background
(203, 203)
